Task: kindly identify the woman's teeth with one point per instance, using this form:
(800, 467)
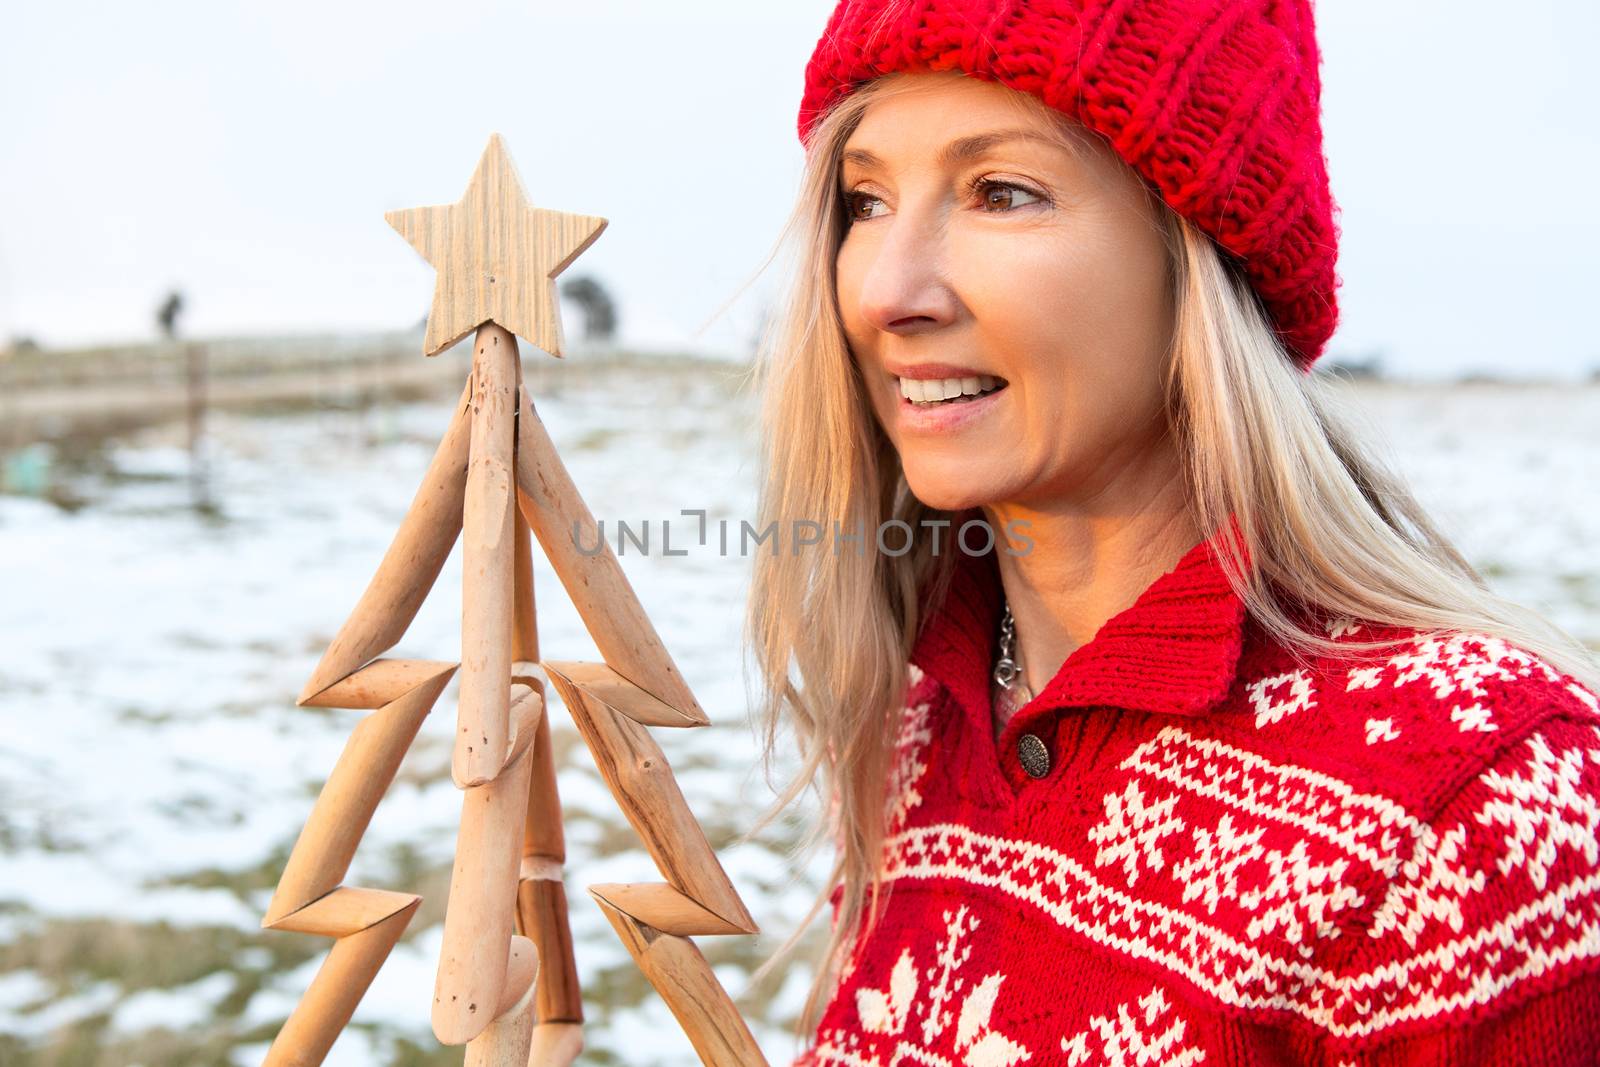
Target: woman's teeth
(940, 390)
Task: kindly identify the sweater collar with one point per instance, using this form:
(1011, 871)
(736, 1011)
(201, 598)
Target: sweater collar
(1173, 651)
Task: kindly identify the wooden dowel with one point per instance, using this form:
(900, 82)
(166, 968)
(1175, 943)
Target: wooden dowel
(541, 896)
(379, 682)
(331, 999)
(327, 843)
(542, 916)
(637, 772)
(599, 590)
(659, 905)
(410, 566)
(483, 885)
(685, 981)
(542, 833)
(525, 616)
(488, 574)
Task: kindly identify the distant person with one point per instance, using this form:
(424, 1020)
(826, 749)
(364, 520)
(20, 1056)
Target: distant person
(1154, 722)
(167, 314)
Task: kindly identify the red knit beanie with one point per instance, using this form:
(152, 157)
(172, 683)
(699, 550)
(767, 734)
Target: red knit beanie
(1216, 103)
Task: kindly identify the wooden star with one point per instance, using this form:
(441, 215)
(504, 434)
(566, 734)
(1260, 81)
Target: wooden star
(497, 256)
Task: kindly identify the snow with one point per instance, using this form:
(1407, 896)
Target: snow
(152, 655)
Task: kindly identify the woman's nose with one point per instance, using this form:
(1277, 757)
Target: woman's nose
(905, 288)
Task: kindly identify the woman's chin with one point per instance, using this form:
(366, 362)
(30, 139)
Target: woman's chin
(949, 490)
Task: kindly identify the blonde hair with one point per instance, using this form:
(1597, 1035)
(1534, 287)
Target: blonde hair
(1319, 522)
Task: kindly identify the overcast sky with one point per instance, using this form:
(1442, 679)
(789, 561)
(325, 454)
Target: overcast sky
(247, 152)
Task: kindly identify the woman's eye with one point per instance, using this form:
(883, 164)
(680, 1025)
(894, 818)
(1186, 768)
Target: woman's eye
(997, 198)
(852, 205)
(1001, 195)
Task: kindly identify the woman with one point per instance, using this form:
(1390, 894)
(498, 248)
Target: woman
(1218, 752)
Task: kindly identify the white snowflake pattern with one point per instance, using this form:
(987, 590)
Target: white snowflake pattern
(1134, 1038)
(1455, 667)
(910, 756)
(1432, 886)
(1212, 871)
(1461, 663)
(885, 1011)
(1544, 810)
(888, 1012)
(1362, 678)
(1299, 893)
(1132, 830)
(1271, 707)
(1381, 730)
(953, 955)
(1289, 891)
(1473, 717)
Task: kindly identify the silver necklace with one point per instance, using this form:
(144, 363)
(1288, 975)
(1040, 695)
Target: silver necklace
(1008, 671)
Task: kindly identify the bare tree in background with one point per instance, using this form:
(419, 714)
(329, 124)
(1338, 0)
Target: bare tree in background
(599, 311)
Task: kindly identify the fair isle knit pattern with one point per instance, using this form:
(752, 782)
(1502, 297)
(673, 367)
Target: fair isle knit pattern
(1216, 103)
(1235, 858)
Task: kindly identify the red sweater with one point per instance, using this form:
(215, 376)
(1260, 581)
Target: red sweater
(1233, 857)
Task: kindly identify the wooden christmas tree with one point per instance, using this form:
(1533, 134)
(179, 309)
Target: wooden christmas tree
(507, 983)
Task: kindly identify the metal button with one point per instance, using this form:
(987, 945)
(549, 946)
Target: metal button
(1034, 756)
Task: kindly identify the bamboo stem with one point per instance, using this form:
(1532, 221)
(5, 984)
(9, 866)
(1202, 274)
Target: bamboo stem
(479, 916)
(542, 916)
(556, 511)
(637, 772)
(525, 615)
(541, 895)
(542, 833)
(482, 737)
(411, 564)
(341, 982)
(685, 981)
(328, 840)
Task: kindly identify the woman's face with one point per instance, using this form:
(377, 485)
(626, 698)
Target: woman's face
(1015, 260)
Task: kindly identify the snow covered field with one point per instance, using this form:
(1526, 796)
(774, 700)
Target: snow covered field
(154, 769)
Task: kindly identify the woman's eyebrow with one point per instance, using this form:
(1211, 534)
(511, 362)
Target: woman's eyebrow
(961, 149)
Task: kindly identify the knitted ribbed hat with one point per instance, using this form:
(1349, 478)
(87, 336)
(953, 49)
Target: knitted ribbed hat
(1216, 103)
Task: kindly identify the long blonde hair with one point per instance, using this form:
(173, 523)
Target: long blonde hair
(1319, 522)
